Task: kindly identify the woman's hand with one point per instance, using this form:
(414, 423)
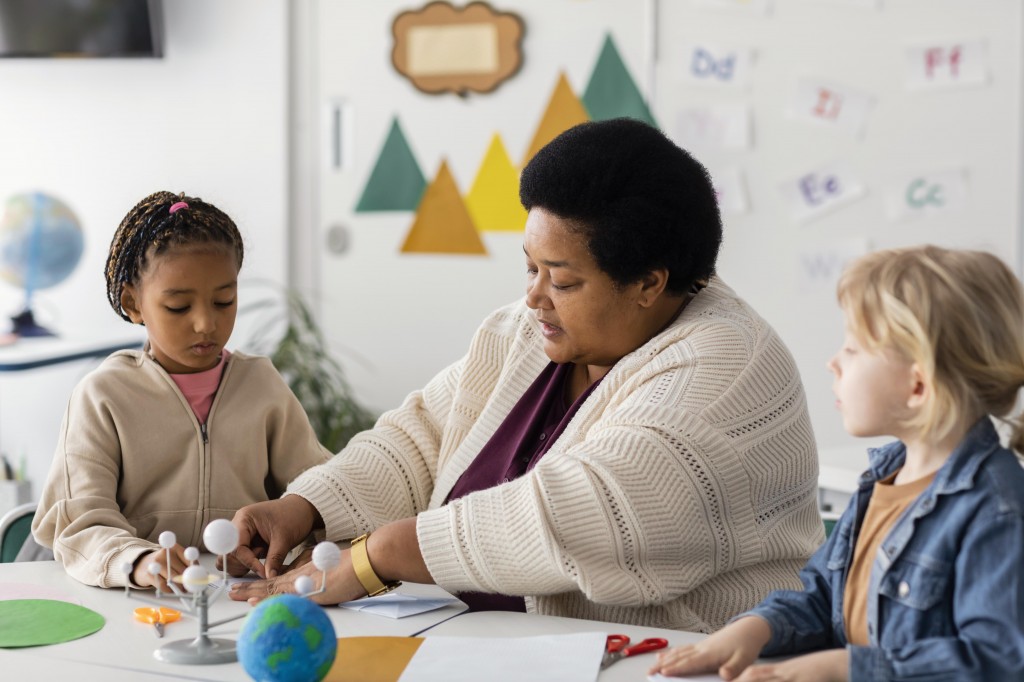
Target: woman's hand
(271, 529)
(727, 652)
(821, 666)
(342, 584)
(158, 557)
(235, 568)
(393, 551)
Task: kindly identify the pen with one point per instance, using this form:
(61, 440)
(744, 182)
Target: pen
(8, 471)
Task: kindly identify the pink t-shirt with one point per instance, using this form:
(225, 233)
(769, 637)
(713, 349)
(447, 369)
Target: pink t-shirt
(200, 388)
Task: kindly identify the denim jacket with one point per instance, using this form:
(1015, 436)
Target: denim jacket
(946, 595)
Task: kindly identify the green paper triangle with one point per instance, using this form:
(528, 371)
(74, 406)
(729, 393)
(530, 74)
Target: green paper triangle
(611, 92)
(396, 183)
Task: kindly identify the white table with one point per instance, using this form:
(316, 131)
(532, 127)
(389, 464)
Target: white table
(125, 645)
(123, 648)
(506, 624)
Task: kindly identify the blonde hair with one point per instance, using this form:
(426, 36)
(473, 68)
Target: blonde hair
(958, 314)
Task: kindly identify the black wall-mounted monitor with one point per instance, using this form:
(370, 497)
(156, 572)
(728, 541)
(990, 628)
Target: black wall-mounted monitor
(81, 28)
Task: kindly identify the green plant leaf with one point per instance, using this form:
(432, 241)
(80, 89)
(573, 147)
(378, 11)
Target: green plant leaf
(295, 343)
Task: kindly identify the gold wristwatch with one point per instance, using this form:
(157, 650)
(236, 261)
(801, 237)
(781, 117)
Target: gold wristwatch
(364, 571)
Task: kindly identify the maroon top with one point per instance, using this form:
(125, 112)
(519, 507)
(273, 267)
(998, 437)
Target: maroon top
(517, 445)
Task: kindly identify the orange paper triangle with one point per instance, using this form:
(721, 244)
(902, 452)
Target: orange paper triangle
(443, 224)
(493, 200)
(564, 111)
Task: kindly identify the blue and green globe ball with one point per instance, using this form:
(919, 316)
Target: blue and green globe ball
(40, 241)
(287, 638)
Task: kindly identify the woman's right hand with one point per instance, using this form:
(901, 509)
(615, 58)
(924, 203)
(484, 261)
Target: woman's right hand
(727, 652)
(270, 530)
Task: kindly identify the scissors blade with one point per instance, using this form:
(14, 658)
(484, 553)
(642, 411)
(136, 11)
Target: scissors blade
(609, 658)
(159, 627)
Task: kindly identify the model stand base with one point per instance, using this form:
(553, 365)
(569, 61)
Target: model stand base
(199, 651)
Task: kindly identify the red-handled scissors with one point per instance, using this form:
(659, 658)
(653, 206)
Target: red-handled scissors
(618, 647)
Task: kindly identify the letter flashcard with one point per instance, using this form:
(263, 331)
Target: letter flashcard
(724, 126)
(947, 65)
(918, 195)
(819, 190)
(752, 6)
(716, 65)
(730, 191)
(831, 105)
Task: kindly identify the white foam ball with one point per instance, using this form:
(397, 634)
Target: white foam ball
(154, 569)
(326, 556)
(195, 578)
(127, 568)
(221, 536)
(168, 539)
(191, 554)
(304, 585)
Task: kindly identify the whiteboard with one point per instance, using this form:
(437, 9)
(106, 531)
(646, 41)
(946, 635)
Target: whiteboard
(397, 319)
(787, 267)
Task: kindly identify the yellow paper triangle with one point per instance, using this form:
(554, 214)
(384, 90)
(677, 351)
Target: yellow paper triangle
(564, 111)
(443, 224)
(372, 659)
(493, 200)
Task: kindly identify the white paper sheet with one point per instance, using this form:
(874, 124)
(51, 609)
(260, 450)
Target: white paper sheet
(395, 605)
(548, 658)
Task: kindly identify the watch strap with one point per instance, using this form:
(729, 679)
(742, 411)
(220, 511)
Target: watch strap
(364, 570)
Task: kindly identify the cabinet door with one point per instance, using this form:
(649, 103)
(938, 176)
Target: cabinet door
(395, 318)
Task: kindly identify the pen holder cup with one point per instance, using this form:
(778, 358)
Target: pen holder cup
(13, 493)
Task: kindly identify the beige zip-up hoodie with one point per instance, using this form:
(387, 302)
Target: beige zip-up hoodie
(132, 460)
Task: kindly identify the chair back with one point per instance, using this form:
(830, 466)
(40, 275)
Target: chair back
(15, 527)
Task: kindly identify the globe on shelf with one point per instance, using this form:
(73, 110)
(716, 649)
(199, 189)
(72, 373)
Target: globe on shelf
(41, 242)
(287, 638)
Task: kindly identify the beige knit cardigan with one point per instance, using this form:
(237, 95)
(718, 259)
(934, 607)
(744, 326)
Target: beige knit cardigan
(680, 494)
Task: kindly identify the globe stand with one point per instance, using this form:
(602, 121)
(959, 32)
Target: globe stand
(221, 537)
(24, 324)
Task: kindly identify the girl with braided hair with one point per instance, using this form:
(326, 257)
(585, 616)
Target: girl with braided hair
(182, 432)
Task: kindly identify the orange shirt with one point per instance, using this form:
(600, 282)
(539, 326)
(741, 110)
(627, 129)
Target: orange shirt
(888, 501)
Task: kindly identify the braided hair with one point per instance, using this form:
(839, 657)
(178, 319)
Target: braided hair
(157, 223)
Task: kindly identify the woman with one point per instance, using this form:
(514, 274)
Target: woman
(628, 443)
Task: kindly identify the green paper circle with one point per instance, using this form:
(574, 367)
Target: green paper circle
(34, 622)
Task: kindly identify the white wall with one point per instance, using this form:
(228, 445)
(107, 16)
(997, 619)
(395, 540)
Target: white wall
(209, 119)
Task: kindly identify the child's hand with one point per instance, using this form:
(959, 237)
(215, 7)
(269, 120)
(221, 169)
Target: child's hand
(822, 666)
(143, 578)
(727, 652)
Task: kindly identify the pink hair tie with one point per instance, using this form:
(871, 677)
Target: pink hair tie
(178, 206)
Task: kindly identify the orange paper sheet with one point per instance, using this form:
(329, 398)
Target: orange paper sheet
(372, 659)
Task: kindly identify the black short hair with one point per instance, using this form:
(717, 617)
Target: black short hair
(641, 202)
